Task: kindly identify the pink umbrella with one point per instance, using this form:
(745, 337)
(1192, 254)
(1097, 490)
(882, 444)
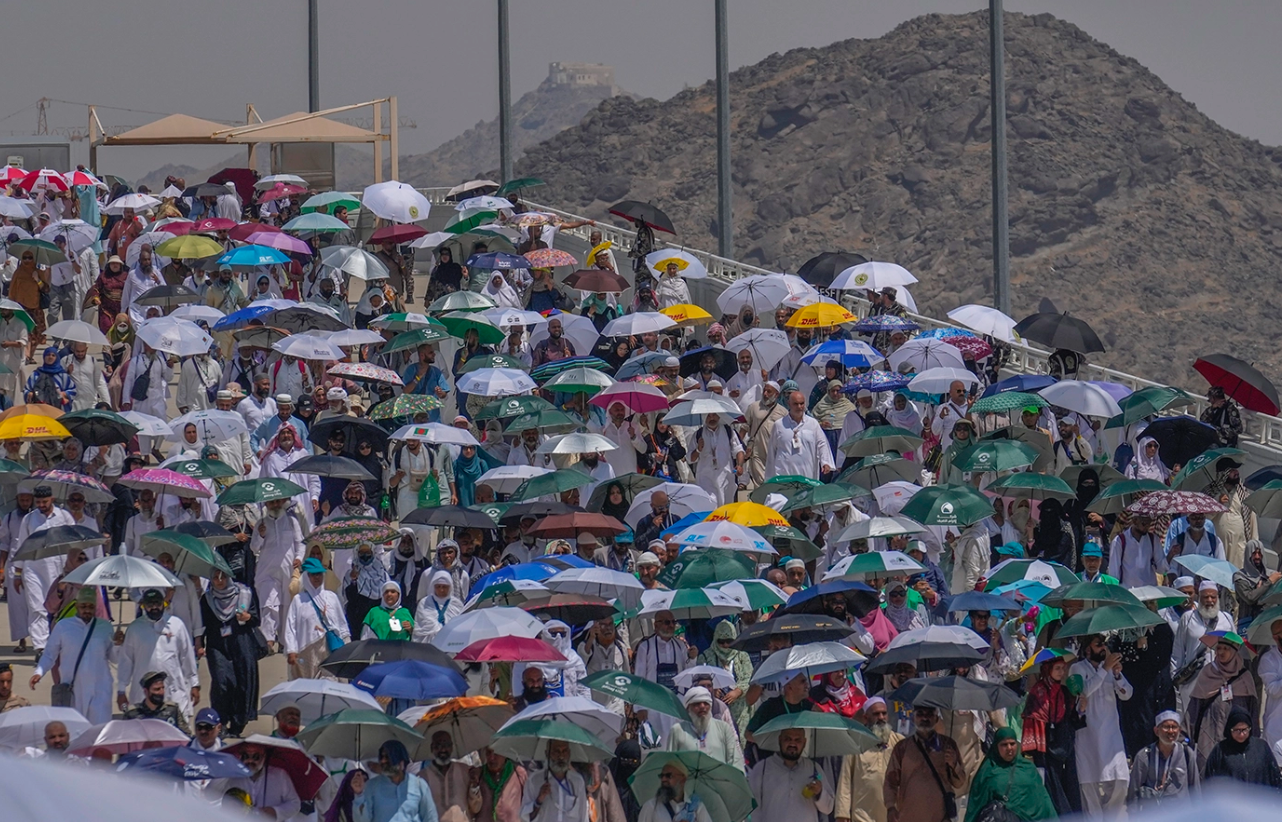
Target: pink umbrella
(280, 242)
(122, 736)
(214, 224)
(636, 396)
(974, 346)
(1174, 503)
(174, 226)
(509, 649)
(244, 230)
(164, 481)
(279, 191)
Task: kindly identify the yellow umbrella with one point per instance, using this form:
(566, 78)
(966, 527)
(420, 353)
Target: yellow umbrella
(748, 514)
(189, 247)
(32, 427)
(680, 262)
(820, 315)
(687, 314)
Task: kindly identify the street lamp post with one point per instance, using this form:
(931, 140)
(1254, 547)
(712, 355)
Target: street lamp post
(725, 229)
(313, 56)
(505, 97)
(997, 106)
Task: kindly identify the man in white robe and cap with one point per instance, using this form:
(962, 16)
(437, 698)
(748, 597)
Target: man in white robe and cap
(13, 346)
(704, 732)
(278, 542)
(627, 434)
(798, 444)
(89, 640)
(38, 575)
(16, 601)
(157, 641)
(1102, 771)
(717, 456)
(314, 612)
(1189, 650)
(149, 395)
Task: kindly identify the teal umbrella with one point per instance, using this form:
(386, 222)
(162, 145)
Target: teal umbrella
(518, 184)
(878, 440)
(1109, 618)
(1267, 501)
(1092, 593)
(553, 483)
(826, 734)
(1200, 471)
(998, 455)
(191, 555)
(506, 407)
(1007, 401)
(546, 420)
(823, 495)
(879, 469)
(1028, 485)
(798, 544)
(700, 568)
(527, 740)
(1115, 498)
(955, 505)
(722, 788)
(259, 490)
(415, 338)
(1148, 402)
(636, 691)
(785, 484)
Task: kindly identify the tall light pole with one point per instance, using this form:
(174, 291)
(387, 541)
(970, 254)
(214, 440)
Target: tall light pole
(725, 230)
(313, 56)
(997, 107)
(505, 97)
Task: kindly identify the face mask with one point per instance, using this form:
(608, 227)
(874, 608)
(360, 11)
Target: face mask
(365, 559)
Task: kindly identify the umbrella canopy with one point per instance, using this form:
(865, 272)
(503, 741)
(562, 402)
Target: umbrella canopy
(1007, 401)
(799, 628)
(187, 764)
(351, 532)
(78, 331)
(636, 691)
(1260, 632)
(328, 201)
(1083, 397)
(412, 679)
(1116, 497)
(878, 470)
(555, 482)
(122, 736)
(65, 483)
(690, 603)
(624, 588)
(572, 609)
(823, 497)
(191, 555)
(25, 727)
(123, 571)
(1174, 503)
(356, 733)
(1060, 331)
(1267, 501)
(767, 345)
(647, 213)
(926, 353)
(935, 648)
(348, 661)
(1241, 381)
(956, 693)
(58, 541)
(510, 649)
(46, 253)
(879, 439)
(998, 455)
(1204, 469)
(99, 427)
(259, 490)
(182, 338)
(753, 594)
(1050, 574)
(164, 481)
(396, 201)
(985, 320)
(810, 660)
(568, 526)
(1218, 571)
(1109, 618)
(873, 564)
(455, 516)
(32, 427)
(872, 276)
(697, 569)
(315, 698)
(878, 527)
(826, 734)
(490, 623)
(723, 788)
(577, 710)
(1029, 485)
(527, 740)
(636, 324)
(747, 514)
(955, 505)
(1181, 438)
(820, 315)
(471, 722)
(860, 598)
(495, 382)
(1148, 402)
(304, 772)
(1091, 593)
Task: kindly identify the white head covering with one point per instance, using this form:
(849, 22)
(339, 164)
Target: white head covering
(561, 643)
(442, 577)
(393, 585)
(1207, 585)
(1149, 467)
(503, 294)
(1165, 716)
(696, 694)
(1182, 582)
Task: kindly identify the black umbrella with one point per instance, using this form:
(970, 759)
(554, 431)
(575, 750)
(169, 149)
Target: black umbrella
(455, 516)
(799, 628)
(1263, 477)
(210, 533)
(355, 428)
(1241, 381)
(1060, 331)
(96, 427)
(57, 541)
(645, 212)
(725, 367)
(299, 320)
(820, 270)
(572, 609)
(861, 599)
(535, 509)
(328, 465)
(631, 483)
(350, 660)
(956, 693)
(1180, 439)
(168, 296)
(925, 656)
(205, 190)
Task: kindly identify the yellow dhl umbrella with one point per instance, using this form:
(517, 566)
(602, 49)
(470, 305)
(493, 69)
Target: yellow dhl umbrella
(820, 315)
(687, 314)
(748, 514)
(32, 427)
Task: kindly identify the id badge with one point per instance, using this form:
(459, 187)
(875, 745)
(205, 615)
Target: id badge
(1226, 693)
(394, 624)
(225, 630)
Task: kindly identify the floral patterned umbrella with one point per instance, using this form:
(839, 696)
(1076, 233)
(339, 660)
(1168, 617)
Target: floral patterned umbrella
(64, 482)
(1174, 503)
(885, 323)
(877, 381)
(550, 258)
(406, 405)
(164, 481)
(351, 532)
(366, 371)
(973, 346)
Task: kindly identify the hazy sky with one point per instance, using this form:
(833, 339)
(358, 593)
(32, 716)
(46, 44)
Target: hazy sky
(210, 59)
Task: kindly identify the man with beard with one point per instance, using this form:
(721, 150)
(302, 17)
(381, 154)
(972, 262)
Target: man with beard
(1252, 583)
(860, 783)
(670, 803)
(327, 295)
(88, 639)
(657, 521)
(534, 688)
(158, 642)
(1195, 540)
(789, 787)
(557, 793)
(761, 416)
(663, 654)
(268, 786)
(925, 774)
(447, 778)
(626, 434)
(8, 700)
(523, 452)
(791, 367)
(704, 732)
(153, 704)
(1238, 524)
(495, 791)
(745, 386)
(797, 444)
(716, 454)
(1190, 654)
(900, 713)
(1102, 771)
(554, 346)
(598, 469)
(57, 739)
(426, 379)
(258, 406)
(792, 699)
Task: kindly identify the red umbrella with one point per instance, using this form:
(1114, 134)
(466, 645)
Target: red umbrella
(45, 178)
(397, 234)
(213, 224)
(80, 177)
(509, 649)
(177, 227)
(1174, 503)
(279, 191)
(242, 232)
(569, 526)
(11, 173)
(1240, 381)
(289, 756)
(974, 346)
(597, 280)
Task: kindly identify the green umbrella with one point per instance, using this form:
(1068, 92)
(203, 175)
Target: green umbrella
(632, 483)
(582, 379)
(1260, 632)
(527, 740)
(824, 495)
(460, 301)
(11, 471)
(1007, 401)
(355, 733)
(722, 788)
(636, 690)
(1160, 594)
(1092, 593)
(799, 545)
(758, 593)
(700, 568)
(406, 405)
(259, 490)
(203, 469)
(494, 510)
(46, 253)
(191, 555)
(329, 201)
(94, 426)
(783, 484)
(998, 455)
(1267, 501)
(1109, 618)
(1107, 474)
(826, 734)
(877, 564)
(460, 323)
(1146, 403)
(879, 469)
(880, 439)
(546, 420)
(518, 184)
(404, 321)
(23, 316)
(1200, 471)
(555, 482)
(1029, 485)
(459, 224)
(491, 361)
(415, 338)
(947, 504)
(1115, 498)
(550, 369)
(512, 407)
(1050, 574)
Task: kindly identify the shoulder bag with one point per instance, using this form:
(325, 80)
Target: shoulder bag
(63, 694)
(332, 640)
(950, 798)
(997, 810)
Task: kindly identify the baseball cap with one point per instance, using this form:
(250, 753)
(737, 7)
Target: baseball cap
(208, 716)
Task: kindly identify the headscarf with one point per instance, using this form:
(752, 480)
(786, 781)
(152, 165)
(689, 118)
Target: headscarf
(882, 630)
(52, 370)
(1050, 530)
(726, 657)
(1237, 715)
(395, 605)
(909, 419)
(365, 307)
(75, 463)
(369, 583)
(1017, 783)
(1214, 676)
(441, 577)
(1143, 467)
(275, 441)
(341, 809)
(620, 510)
(561, 643)
(467, 470)
(503, 294)
(225, 602)
(117, 337)
(901, 616)
(832, 413)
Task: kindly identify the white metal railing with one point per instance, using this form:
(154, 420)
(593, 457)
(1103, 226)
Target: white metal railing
(1258, 429)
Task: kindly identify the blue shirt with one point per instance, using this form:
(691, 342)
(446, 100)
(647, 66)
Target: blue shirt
(427, 386)
(385, 801)
(263, 434)
(1181, 524)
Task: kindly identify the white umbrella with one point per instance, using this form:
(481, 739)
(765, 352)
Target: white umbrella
(721, 678)
(411, 322)
(684, 499)
(396, 201)
(763, 293)
(586, 713)
(171, 190)
(811, 659)
(872, 276)
(507, 478)
(196, 312)
(471, 185)
(182, 338)
(598, 582)
(505, 318)
(636, 324)
(77, 331)
(25, 727)
(657, 261)
(349, 337)
(271, 180)
(357, 262)
(576, 328)
(926, 353)
(80, 235)
(496, 382)
(123, 571)
(946, 634)
(120, 736)
(150, 238)
(147, 425)
(211, 424)
(315, 698)
(1082, 397)
(694, 412)
(704, 603)
(894, 495)
(985, 319)
(743, 590)
(307, 347)
(488, 623)
(519, 591)
(768, 346)
(576, 443)
(485, 202)
(937, 380)
(878, 527)
(137, 202)
(433, 241)
(435, 433)
(726, 535)
(16, 209)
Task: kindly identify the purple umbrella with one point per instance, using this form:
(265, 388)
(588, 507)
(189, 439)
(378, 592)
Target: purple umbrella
(280, 242)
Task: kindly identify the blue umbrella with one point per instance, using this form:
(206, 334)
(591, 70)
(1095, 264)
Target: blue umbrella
(685, 522)
(184, 763)
(1029, 589)
(979, 601)
(534, 571)
(860, 597)
(885, 322)
(1028, 383)
(945, 333)
(411, 679)
(561, 562)
(241, 318)
(877, 381)
(497, 259)
(850, 353)
(641, 364)
(253, 256)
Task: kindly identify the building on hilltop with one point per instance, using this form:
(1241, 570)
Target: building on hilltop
(582, 74)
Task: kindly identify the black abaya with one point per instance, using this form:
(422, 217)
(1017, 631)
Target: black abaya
(233, 666)
(1149, 672)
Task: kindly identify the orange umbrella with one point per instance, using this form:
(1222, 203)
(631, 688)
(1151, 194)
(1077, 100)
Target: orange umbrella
(38, 408)
(469, 720)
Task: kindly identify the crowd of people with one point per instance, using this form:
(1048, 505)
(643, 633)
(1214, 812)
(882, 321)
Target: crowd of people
(638, 484)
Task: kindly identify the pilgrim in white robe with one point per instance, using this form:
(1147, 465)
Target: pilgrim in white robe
(799, 448)
(164, 645)
(38, 575)
(92, 680)
(278, 542)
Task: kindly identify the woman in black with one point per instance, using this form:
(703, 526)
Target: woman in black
(447, 277)
(1242, 756)
(663, 450)
(1053, 536)
(230, 613)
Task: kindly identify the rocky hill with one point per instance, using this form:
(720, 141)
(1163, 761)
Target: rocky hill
(1128, 206)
